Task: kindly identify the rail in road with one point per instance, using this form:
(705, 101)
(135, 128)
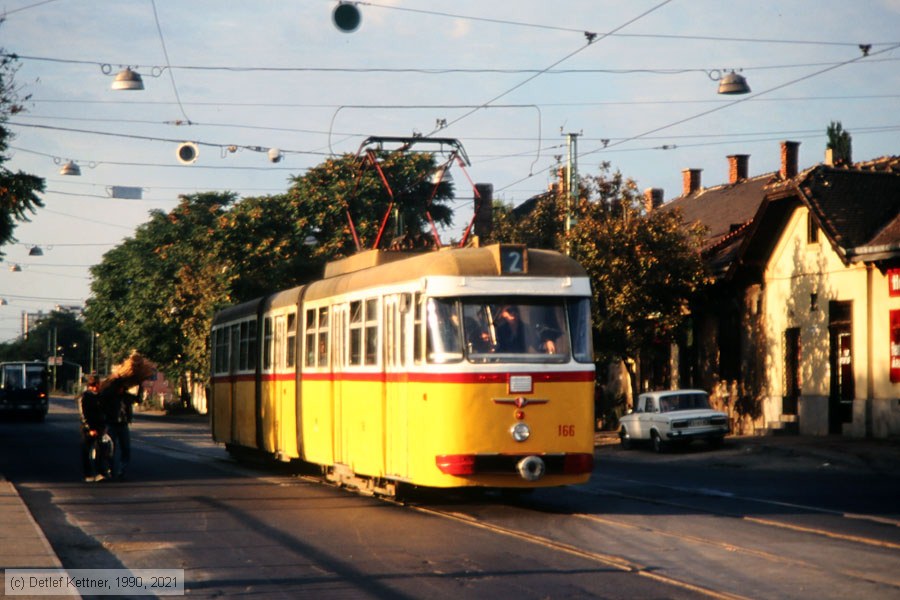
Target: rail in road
(684, 539)
(673, 533)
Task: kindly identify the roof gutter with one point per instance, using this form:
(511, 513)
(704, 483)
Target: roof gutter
(871, 253)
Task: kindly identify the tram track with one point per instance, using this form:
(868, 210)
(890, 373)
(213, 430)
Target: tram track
(618, 562)
(630, 562)
(627, 562)
(769, 522)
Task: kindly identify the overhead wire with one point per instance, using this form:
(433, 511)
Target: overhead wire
(614, 32)
(591, 38)
(441, 70)
(162, 41)
(741, 100)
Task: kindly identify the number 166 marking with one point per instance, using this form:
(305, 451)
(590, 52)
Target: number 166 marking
(566, 430)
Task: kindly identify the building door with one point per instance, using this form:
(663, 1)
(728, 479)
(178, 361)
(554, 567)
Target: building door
(840, 351)
(791, 392)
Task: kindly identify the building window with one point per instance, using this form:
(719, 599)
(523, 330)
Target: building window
(812, 230)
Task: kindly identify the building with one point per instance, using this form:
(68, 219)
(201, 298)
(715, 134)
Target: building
(802, 329)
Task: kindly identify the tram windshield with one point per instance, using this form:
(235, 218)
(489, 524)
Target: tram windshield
(510, 329)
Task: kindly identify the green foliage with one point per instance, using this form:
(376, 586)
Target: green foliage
(157, 292)
(840, 142)
(326, 194)
(71, 338)
(644, 268)
(18, 191)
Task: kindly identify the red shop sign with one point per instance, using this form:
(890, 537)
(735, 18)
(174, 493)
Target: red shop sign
(895, 346)
(893, 276)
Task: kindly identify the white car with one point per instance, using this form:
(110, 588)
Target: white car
(673, 416)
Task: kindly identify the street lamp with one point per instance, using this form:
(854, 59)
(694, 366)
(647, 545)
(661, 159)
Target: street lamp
(126, 79)
(731, 83)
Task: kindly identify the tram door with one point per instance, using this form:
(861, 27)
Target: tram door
(396, 310)
(338, 341)
(278, 388)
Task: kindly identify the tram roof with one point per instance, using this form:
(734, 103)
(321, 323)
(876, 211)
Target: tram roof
(380, 267)
(232, 313)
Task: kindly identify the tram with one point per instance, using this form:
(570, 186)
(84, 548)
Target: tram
(457, 367)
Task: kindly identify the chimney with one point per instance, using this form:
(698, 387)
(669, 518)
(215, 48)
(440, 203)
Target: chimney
(737, 167)
(653, 199)
(690, 181)
(789, 152)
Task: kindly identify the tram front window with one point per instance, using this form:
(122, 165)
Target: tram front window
(526, 330)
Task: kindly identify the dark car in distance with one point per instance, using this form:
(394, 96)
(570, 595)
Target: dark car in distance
(24, 389)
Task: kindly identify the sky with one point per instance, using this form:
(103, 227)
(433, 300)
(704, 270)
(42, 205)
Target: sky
(634, 82)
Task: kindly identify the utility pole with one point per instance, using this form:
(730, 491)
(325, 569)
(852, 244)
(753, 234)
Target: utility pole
(571, 186)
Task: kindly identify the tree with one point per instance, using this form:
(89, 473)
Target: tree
(644, 267)
(18, 191)
(326, 194)
(60, 334)
(840, 143)
(156, 291)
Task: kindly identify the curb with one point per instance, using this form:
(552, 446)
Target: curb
(23, 544)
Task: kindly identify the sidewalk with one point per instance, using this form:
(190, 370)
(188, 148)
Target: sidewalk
(877, 456)
(22, 543)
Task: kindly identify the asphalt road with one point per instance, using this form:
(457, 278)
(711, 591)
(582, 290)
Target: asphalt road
(748, 521)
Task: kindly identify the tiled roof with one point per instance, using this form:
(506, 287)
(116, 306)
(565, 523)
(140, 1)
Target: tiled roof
(854, 207)
(858, 208)
(723, 209)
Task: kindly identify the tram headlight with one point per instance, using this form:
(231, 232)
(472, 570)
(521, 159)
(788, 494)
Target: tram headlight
(520, 432)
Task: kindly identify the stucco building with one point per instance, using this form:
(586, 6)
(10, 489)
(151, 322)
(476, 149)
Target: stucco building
(802, 329)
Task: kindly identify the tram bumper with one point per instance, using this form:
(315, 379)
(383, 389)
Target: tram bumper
(530, 467)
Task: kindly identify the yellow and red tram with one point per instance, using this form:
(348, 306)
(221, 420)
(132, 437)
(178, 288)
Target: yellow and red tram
(451, 368)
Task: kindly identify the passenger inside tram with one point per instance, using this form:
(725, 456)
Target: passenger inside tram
(524, 331)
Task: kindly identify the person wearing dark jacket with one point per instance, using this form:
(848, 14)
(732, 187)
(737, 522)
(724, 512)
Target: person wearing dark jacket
(117, 404)
(92, 425)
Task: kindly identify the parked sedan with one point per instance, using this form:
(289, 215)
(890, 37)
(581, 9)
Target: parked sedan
(673, 416)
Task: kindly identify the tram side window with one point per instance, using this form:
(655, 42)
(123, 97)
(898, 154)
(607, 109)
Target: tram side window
(234, 348)
(444, 334)
(310, 339)
(580, 326)
(322, 347)
(221, 344)
(418, 328)
(371, 331)
(268, 342)
(247, 346)
(356, 332)
(291, 345)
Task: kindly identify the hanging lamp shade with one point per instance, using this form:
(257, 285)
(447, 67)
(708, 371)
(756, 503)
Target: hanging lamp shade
(35, 251)
(127, 79)
(15, 268)
(733, 83)
(3, 302)
(70, 168)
